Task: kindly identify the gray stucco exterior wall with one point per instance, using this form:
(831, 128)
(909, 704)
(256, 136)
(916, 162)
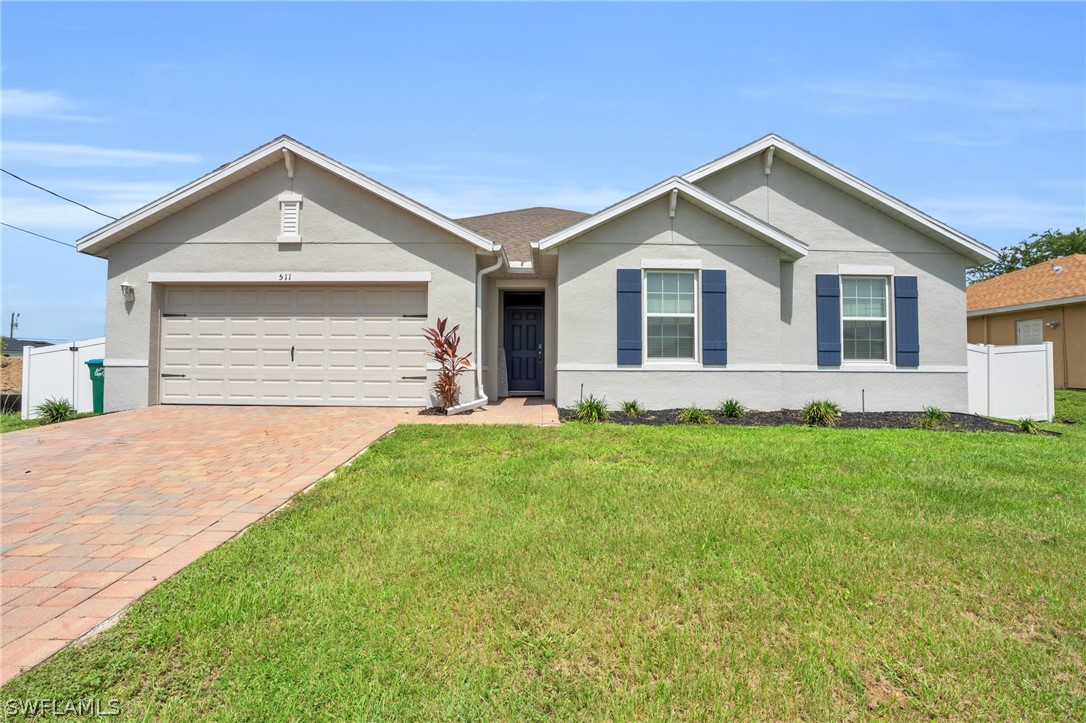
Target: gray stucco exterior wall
(343, 228)
(772, 348)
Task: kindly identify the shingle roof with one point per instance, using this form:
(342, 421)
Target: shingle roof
(516, 230)
(1037, 283)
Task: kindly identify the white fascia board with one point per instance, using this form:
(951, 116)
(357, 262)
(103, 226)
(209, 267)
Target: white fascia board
(965, 245)
(289, 277)
(700, 198)
(97, 241)
(1026, 307)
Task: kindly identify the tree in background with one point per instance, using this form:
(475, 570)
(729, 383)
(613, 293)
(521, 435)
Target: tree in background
(1035, 249)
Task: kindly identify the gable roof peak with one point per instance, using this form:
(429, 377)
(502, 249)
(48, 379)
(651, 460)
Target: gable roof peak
(842, 180)
(759, 229)
(261, 157)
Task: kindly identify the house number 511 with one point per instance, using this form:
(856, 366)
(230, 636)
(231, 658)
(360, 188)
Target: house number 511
(284, 277)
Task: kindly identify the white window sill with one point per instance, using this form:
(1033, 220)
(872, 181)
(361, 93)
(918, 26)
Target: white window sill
(865, 366)
(671, 366)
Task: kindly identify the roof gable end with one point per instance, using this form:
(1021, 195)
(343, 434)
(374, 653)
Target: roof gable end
(838, 178)
(761, 230)
(275, 151)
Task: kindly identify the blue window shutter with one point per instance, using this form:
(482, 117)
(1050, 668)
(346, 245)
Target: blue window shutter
(629, 317)
(828, 315)
(714, 317)
(906, 321)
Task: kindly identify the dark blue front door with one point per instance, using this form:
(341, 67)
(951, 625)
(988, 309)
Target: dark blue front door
(524, 348)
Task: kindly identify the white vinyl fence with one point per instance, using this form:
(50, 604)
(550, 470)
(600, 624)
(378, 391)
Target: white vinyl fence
(1012, 382)
(60, 372)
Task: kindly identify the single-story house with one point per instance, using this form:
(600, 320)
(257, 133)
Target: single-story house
(768, 275)
(1043, 302)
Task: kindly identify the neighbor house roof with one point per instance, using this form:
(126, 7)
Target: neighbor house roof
(279, 150)
(846, 182)
(1062, 279)
(691, 193)
(13, 347)
(516, 230)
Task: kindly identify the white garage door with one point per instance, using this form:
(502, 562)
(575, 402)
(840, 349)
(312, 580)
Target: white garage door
(330, 345)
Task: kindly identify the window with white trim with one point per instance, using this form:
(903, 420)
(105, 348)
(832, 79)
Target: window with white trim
(865, 318)
(671, 314)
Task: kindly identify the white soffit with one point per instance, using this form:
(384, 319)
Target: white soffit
(842, 180)
(268, 154)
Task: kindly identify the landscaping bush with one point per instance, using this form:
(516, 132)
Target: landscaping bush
(933, 418)
(732, 408)
(821, 413)
(632, 408)
(55, 410)
(1029, 426)
(591, 409)
(445, 352)
(695, 415)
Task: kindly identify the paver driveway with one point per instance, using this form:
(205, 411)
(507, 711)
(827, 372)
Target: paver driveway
(97, 511)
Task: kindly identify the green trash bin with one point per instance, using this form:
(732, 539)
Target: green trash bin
(98, 383)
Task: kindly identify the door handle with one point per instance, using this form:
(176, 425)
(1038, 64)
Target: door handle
(539, 353)
(292, 353)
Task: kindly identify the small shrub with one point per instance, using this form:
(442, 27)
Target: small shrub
(732, 408)
(632, 408)
(821, 413)
(1029, 426)
(591, 409)
(55, 410)
(933, 418)
(694, 415)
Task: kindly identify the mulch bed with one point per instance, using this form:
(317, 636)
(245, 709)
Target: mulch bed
(439, 412)
(848, 420)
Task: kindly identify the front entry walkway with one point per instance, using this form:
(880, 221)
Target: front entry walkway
(97, 511)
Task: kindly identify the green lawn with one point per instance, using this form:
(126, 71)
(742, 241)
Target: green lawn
(1071, 405)
(13, 422)
(507, 573)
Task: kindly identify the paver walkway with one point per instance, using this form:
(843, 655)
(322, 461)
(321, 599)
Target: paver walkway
(97, 511)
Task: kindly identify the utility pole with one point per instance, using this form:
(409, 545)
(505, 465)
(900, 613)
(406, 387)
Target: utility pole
(14, 325)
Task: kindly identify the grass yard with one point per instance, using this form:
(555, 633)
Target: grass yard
(589, 572)
(13, 421)
(1071, 405)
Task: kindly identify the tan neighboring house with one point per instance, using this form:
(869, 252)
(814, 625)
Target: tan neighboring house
(1045, 302)
(768, 275)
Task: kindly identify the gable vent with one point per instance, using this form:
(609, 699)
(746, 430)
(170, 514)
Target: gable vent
(290, 213)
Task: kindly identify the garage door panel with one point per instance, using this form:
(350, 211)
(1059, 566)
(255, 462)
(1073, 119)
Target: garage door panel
(210, 358)
(244, 328)
(352, 346)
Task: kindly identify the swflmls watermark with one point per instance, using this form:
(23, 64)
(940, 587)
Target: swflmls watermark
(59, 707)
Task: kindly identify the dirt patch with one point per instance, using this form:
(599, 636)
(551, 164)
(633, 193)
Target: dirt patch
(880, 692)
(438, 412)
(848, 420)
(11, 374)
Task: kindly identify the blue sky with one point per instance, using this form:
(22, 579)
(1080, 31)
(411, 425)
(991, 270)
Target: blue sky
(972, 112)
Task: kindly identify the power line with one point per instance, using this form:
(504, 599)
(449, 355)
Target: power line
(62, 243)
(54, 193)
